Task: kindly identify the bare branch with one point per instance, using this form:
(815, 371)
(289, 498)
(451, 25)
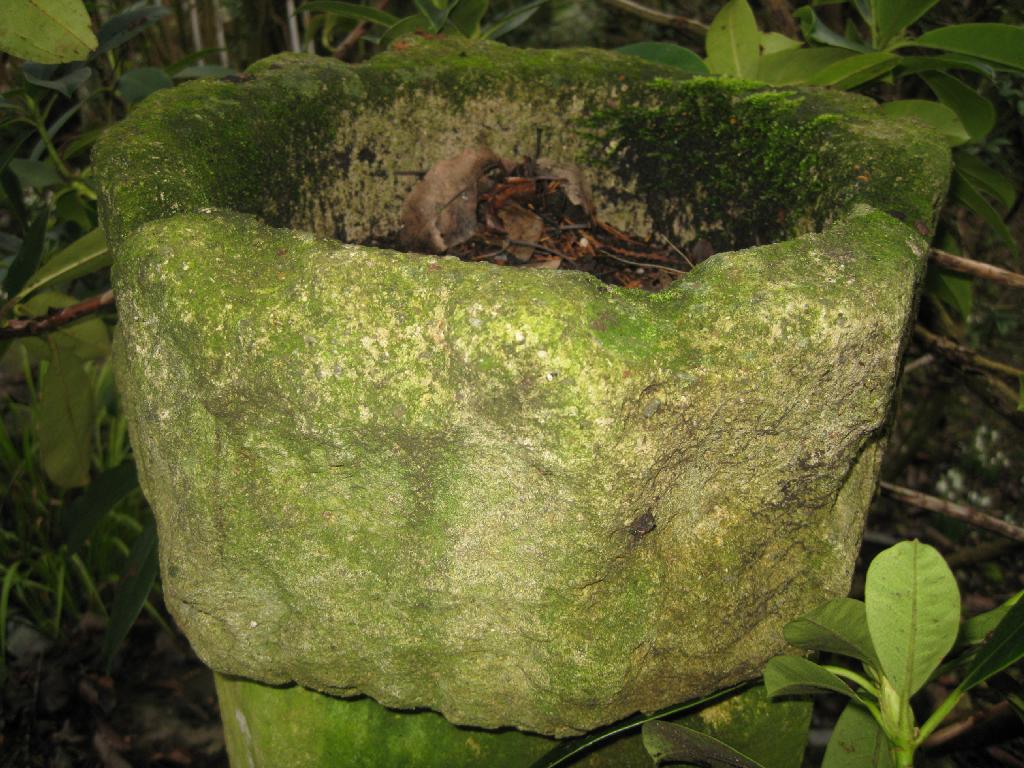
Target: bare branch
(33, 326)
(969, 515)
(660, 17)
(977, 268)
(963, 356)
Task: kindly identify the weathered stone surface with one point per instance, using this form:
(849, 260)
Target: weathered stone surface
(433, 482)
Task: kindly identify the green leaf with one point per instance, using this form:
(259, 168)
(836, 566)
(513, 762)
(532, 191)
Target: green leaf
(913, 613)
(512, 20)
(11, 185)
(203, 70)
(977, 629)
(733, 42)
(795, 676)
(855, 70)
(99, 498)
(48, 31)
(911, 65)
(435, 16)
(119, 29)
(951, 288)
(570, 749)
(26, 262)
(858, 741)
(667, 742)
(187, 61)
(987, 178)
(87, 254)
(407, 26)
(88, 338)
(838, 626)
(64, 420)
(1001, 43)
(774, 42)
(814, 29)
(467, 15)
(351, 11)
(1004, 648)
(933, 114)
(965, 191)
(667, 53)
(977, 113)
(893, 16)
(796, 66)
(132, 591)
(137, 84)
(66, 84)
(53, 129)
(36, 173)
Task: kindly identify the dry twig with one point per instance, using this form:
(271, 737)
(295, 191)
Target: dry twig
(962, 355)
(661, 17)
(33, 326)
(977, 268)
(969, 515)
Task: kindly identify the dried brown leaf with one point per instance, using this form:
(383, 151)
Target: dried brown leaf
(440, 212)
(521, 225)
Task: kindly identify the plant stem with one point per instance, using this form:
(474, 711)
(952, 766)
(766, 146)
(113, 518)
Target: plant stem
(938, 716)
(860, 680)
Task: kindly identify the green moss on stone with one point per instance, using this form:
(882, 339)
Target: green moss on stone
(418, 479)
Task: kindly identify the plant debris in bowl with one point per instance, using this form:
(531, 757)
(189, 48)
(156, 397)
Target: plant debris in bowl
(482, 207)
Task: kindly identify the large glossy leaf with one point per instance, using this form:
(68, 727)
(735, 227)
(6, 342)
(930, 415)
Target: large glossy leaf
(667, 53)
(203, 70)
(774, 42)
(47, 31)
(36, 173)
(87, 254)
(795, 67)
(795, 676)
(814, 29)
(511, 20)
(838, 626)
(66, 84)
(406, 26)
(946, 62)
(26, 262)
(965, 190)
(1001, 43)
(987, 178)
(103, 493)
(733, 42)
(137, 84)
(913, 613)
(855, 70)
(978, 629)
(132, 590)
(858, 741)
(467, 15)
(667, 742)
(436, 16)
(893, 16)
(951, 288)
(977, 113)
(351, 11)
(119, 29)
(570, 749)
(64, 420)
(1004, 648)
(933, 114)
